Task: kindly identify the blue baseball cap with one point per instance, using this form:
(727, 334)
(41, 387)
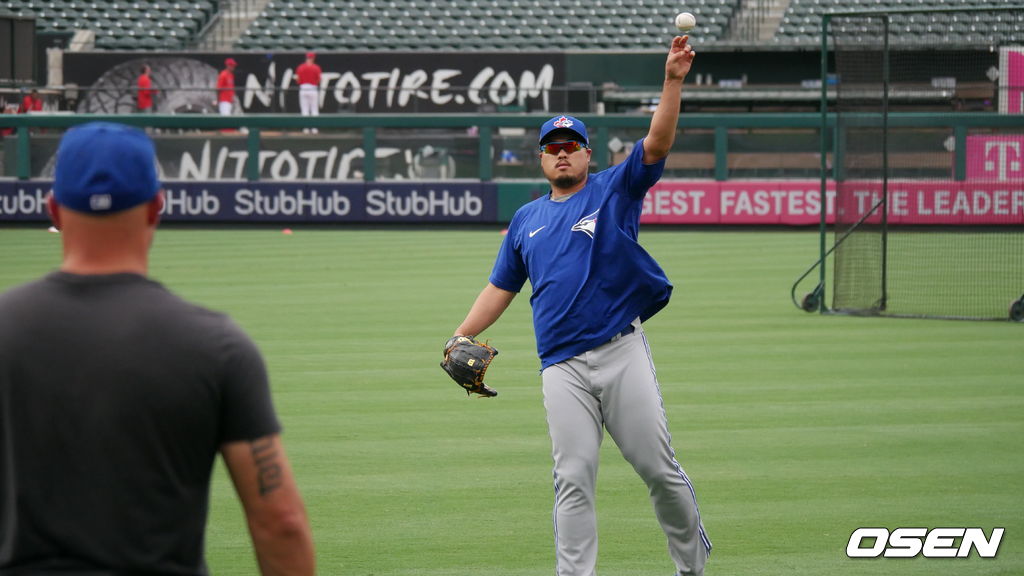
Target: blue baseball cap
(104, 167)
(564, 123)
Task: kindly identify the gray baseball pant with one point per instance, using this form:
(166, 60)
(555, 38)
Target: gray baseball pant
(614, 387)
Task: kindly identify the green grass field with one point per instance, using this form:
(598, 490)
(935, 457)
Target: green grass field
(795, 428)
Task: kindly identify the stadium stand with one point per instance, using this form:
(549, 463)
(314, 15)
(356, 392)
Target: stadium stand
(120, 25)
(478, 25)
(801, 22)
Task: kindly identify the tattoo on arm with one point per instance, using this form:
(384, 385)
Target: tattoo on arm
(268, 468)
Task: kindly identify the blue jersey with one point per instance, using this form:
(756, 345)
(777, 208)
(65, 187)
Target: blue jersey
(590, 276)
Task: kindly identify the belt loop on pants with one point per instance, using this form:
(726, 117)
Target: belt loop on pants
(625, 332)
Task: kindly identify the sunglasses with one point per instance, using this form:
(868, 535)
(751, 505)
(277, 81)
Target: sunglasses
(555, 148)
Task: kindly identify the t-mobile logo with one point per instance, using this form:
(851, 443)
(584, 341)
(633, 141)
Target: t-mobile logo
(1007, 158)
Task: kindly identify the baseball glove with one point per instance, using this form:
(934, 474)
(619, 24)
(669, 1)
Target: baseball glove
(466, 360)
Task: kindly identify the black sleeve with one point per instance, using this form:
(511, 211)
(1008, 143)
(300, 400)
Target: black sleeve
(247, 407)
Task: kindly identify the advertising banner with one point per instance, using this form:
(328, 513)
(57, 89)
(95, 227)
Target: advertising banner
(291, 202)
(973, 202)
(1011, 80)
(998, 157)
(798, 203)
(350, 82)
(786, 203)
(399, 155)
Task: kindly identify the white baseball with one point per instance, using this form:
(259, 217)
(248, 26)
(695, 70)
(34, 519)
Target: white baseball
(685, 21)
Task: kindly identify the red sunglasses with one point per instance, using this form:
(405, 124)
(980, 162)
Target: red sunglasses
(555, 148)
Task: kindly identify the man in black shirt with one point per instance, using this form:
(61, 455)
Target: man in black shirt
(116, 395)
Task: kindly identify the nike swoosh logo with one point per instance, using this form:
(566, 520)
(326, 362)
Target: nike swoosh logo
(532, 234)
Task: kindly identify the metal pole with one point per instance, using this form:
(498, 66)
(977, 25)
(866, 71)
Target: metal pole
(485, 146)
(602, 156)
(885, 162)
(721, 153)
(822, 223)
(24, 163)
(252, 166)
(369, 154)
(960, 152)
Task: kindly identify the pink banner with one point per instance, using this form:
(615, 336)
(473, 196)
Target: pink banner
(1011, 80)
(995, 157)
(798, 203)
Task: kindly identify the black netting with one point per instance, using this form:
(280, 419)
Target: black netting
(887, 65)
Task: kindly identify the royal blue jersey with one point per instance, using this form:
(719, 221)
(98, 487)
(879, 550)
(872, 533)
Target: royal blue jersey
(590, 276)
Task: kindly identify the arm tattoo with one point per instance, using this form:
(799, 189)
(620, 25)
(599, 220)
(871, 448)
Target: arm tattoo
(268, 468)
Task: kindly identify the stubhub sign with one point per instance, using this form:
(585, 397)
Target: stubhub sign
(291, 202)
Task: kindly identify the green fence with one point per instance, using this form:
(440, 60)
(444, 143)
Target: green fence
(709, 146)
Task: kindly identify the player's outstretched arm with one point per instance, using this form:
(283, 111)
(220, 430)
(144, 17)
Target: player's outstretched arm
(486, 310)
(273, 507)
(662, 133)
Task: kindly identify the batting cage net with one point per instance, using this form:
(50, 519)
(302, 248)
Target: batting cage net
(928, 208)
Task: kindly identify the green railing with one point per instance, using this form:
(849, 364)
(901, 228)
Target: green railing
(723, 127)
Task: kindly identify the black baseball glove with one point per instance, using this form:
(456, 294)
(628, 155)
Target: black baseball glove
(466, 360)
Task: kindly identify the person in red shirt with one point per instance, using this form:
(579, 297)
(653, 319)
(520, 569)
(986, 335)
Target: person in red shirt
(9, 109)
(31, 103)
(226, 87)
(308, 77)
(145, 94)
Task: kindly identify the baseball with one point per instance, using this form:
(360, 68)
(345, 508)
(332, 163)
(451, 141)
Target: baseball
(685, 21)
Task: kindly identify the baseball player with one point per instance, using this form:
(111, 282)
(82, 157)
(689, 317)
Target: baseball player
(226, 87)
(145, 91)
(308, 76)
(593, 286)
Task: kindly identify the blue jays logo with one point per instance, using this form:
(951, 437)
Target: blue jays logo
(563, 122)
(587, 224)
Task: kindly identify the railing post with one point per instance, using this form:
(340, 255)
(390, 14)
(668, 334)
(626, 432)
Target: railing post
(960, 152)
(369, 154)
(486, 144)
(24, 164)
(721, 153)
(602, 157)
(252, 166)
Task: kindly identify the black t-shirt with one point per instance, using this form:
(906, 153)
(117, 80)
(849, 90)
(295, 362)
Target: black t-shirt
(115, 396)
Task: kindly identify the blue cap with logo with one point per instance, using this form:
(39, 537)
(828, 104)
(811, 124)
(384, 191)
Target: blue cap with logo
(104, 167)
(564, 123)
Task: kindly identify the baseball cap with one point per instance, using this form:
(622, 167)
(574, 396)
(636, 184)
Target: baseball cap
(104, 167)
(310, 54)
(230, 62)
(564, 123)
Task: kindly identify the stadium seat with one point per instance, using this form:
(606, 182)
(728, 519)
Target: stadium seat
(808, 14)
(448, 23)
(122, 25)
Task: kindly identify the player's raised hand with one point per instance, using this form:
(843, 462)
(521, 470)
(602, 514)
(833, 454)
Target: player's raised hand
(680, 58)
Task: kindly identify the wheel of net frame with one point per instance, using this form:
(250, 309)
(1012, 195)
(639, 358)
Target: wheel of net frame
(906, 109)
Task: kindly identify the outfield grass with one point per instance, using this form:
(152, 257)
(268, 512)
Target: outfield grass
(795, 428)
